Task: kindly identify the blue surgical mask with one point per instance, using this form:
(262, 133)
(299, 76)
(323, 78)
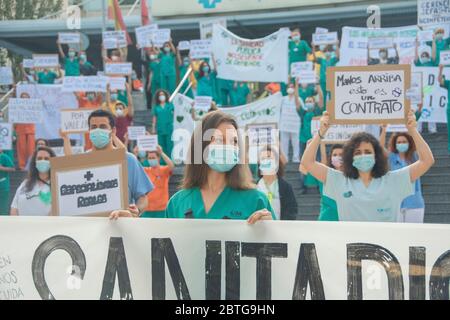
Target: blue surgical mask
(364, 162)
(142, 154)
(186, 62)
(402, 147)
(425, 60)
(83, 57)
(166, 49)
(43, 166)
(153, 162)
(309, 106)
(71, 54)
(296, 38)
(205, 69)
(114, 96)
(100, 137)
(322, 47)
(328, 54)
(222, 158)
(267, 167)
(439, 36)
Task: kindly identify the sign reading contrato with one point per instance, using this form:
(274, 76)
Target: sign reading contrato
(94, 258)
(94, 183)
(369, 95)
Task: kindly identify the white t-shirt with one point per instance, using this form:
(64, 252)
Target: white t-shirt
(380, 201)
(274, 196)
(289, 118)
(36, 202)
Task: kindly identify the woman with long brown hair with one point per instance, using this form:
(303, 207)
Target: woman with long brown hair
(217, 183)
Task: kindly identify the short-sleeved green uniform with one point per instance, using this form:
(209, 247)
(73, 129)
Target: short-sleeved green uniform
(239, 94)
(206, 85)
(328, 207)
(426, 64)
(5, 161)
(443, 44)
(164, 126)
(223, 93)
(298, 51)
(46, 78)
(72, 67)
(154, 67)
(324, 64)
(168, 72)
(231, 204)
(309, 91)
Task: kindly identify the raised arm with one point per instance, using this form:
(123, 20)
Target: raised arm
(338, 51)
(296, 97)
(426, 159)
(416, 52)
(433, 49)
(320, 93)
(179, 61)
(60, 49)
(214, 62)
(168, 161)
(383, 136)
(130, 100)
(66, 143)
(441, 75)
(323, 154)
(104, 54)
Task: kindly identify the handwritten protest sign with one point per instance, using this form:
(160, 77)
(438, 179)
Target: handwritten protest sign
(160, 36)
(6, 133)
(202, 103)
(380, 43)
(28, 63)
(68, 37)
(84, 84)
(59, 151)
(415, 92)
(135, 131)
(117, 83)
(6, 76)
(200, 49)
(75, 120)
(298, 67)
(431, 12)
(45, 60)
(337, 133)
(324, 38)
(445, 57)
(321, 30)
(206, 27)
(396, 128)
(25, 110)
(90, 183)
(123, 68)
(144, 35)
(425, 35)
(307, 77)
(289, 118)
(184, 45)
(260, 134)
(368, 95)
(147, 142)
(114, 39)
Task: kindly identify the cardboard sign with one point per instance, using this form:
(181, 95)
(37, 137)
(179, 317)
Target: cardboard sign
(261, 134)
(368, 95)
(45, 60)
(160, 37)
(307, 77)
(59, 151)
(380, 43)
(147, 142)
(444, 58)
(135, 131)
(396, 128)
(415, 92)
(200, 49)
(6, 76)
(425, 35)
(430, 12)
(321, 30)
(202, 103)
(117, 83)
(94, 183)
(75, 120)
(28, 63)
(25, 110)
(206, 27)
(144, 35)
(6, 133)
(184, 45)
(324, 38)
(114, 39)
(84, 84)
(298, 67)
(337, 133)
(68, 37)
(122, 68)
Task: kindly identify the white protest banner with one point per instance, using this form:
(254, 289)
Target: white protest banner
(25, 110)
(396, 128)
(6, 76)
(147, 142)
(121, 68)
(206, 27)
(68, 37)
(116, 83)
(6, 133)
(324, 38)
(307, 77)
(202, 103)
(380, 43)
(368, 95)
(354, 43)
(321, 30)
(298, 67)
(251, 60)
(337, 133)
(431, 12)
(28, 63)
(75, 120)
(54, 100)
(200, 49)
(84, 84)
(96, 255)
(89, 184)
(45, 60)
(289, 118)
(144, 35)
(425, 35)
(184, 45)
(114, 39)
(445, 57)
(135, 131)
(262, 134)
(161, 36)
(59, 151)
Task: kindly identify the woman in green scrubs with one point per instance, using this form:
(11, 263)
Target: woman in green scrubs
(6, 167)
(206, 80)
(330, 60)
(167, 68)
(239, 94)
(162, 113)
(217, 183)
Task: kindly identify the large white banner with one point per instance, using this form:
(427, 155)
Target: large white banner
(94, 258)
(240, 59)
(431, 12)
(355, 40)
(54, 100)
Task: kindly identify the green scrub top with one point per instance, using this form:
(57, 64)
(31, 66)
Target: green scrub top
(72, 67)
(122, 96)
(443, 44)
(304, 93)
(298, 51)
(324, 64)
(230, 204)
(254, 169)
(306, 117)
(328, 207)
(205, 85)
(427, 64)
(5, 161)
(239, 95)
(48, 78)
(164, 118)
(167, 64)
(447, 86)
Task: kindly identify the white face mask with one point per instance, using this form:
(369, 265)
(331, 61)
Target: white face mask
(119, 112)
(290, 91)
(162, 98)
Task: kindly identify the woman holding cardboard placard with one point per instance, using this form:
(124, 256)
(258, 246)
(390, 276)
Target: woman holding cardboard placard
(366, 190)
